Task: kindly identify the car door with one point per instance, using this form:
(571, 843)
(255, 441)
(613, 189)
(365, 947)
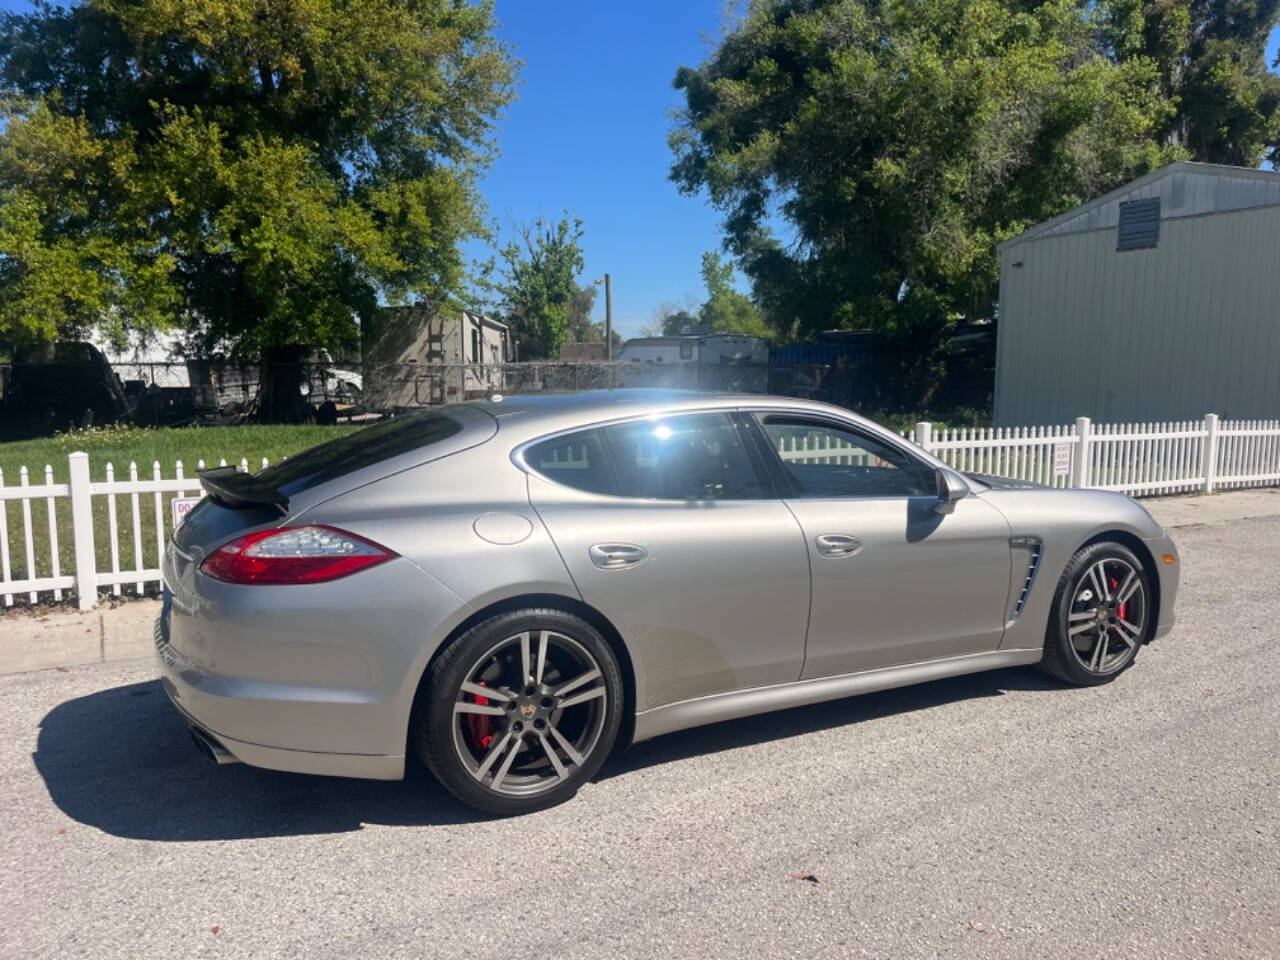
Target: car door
(894, 581)
(670, 527)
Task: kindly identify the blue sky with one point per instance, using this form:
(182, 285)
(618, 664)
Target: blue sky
(588, 133)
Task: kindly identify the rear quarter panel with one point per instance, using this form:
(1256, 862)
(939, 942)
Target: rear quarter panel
(465, 522)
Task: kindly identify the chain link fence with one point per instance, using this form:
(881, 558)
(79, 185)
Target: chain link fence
(215, 391)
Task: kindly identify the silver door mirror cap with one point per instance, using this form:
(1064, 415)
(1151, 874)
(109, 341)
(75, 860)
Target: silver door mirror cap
(951, 488)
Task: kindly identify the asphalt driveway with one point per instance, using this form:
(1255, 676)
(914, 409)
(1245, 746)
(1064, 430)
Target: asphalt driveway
(995, 815)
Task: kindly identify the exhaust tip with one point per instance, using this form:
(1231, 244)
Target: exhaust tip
(211, 748)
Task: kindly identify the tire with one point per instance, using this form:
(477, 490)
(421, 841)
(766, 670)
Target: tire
(1093, 639)
(506, 749)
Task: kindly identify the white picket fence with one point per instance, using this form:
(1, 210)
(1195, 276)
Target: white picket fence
(84, 498)
(1141, 459)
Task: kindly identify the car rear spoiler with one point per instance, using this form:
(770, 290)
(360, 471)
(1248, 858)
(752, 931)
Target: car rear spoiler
(231, 488)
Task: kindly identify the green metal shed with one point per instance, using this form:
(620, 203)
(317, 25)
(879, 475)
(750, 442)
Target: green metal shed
(1158, 301)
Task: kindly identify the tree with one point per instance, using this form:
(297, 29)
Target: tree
(676, 323)
(726, 310)
(670, 318)
(578, 325)
(265, 172)
(84, 274)
(899, 143)
(539, 285)
(1210, 57)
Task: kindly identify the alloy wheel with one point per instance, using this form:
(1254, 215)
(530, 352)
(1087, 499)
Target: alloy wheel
(529, 712)
(1108, 616)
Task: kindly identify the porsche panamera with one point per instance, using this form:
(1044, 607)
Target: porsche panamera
(511, 588)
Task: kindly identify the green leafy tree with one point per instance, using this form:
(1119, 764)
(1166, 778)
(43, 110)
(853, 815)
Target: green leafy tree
(539, 286)
(899, 142)
(676, 322)
(63, 271)
(670, 318)
(578, 325)
(726, 310)
(1210, 57)
(264, 171)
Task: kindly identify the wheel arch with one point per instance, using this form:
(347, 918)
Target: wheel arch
(557, 601)
(1143, 553)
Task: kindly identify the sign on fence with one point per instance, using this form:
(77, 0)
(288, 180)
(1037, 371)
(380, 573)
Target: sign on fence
(181, 506)
(1061, 459)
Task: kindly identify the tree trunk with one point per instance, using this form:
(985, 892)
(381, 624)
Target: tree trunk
(280, 379)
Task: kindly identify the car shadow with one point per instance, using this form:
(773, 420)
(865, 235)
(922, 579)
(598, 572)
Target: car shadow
(121, 760)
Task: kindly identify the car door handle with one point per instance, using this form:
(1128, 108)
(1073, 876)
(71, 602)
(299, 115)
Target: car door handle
(837, 544)
(616, 556)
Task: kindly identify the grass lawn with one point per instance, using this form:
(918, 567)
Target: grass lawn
(121, 446)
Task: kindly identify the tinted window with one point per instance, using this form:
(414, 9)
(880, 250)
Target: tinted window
(348, 454)
(691, 457)
(827, 461)
(577, 460)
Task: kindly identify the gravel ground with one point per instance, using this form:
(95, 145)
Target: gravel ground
(996, 815)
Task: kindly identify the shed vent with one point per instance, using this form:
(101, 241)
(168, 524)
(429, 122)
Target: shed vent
(1139, 224)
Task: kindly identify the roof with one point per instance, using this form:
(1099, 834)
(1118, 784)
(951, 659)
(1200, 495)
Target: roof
(533, 415)
(678, 338)
(1185, 189)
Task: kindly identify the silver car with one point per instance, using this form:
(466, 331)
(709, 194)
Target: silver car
(509, 588)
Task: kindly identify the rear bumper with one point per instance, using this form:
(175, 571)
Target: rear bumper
(312, 678)
(1168, 575)
(202, 699)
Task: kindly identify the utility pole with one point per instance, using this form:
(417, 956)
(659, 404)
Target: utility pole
(608, 319)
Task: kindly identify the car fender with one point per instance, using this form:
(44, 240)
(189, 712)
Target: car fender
(1062, 521)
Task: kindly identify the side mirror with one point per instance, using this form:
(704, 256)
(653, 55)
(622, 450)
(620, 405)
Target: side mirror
(951, 487)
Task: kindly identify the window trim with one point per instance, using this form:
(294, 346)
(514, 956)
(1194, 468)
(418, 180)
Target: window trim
(783, 480)
(733, 415)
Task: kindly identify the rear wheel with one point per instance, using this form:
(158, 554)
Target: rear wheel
(1101, 614)
(519, 711)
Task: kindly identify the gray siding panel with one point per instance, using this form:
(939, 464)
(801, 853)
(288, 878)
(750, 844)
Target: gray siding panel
(1171, 333)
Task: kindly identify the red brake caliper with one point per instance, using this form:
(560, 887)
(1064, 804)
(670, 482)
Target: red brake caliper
(1114, 584)
(479, 727)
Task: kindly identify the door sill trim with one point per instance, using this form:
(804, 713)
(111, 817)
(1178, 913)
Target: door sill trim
(744, 703)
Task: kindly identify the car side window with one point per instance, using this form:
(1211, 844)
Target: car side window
(576, 460)
(825, 461)
(689, 457)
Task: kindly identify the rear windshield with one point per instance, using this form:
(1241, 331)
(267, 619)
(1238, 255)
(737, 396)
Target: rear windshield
(347, 454)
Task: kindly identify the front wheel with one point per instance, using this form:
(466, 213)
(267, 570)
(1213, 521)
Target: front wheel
(1101, 614)
(521, 710)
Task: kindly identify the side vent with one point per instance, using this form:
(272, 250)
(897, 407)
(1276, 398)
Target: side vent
(1034, 548)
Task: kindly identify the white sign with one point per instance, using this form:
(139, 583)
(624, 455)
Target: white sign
(181, 506)
(1061, 459)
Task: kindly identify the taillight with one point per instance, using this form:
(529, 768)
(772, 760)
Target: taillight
(311, 554)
